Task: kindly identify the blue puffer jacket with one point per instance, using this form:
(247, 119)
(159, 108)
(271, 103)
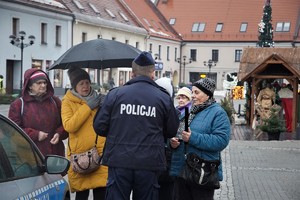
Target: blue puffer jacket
(210, 135)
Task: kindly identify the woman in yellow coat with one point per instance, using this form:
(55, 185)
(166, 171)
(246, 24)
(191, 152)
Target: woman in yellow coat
(79, 106)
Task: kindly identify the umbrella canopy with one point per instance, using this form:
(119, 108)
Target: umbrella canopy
(97, 54)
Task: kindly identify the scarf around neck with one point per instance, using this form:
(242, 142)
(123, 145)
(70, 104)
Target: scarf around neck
(195, 109)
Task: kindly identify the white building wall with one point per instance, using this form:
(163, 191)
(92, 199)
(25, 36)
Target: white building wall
(171, 64)
(30, 21)
(93, 31)
(226, 63)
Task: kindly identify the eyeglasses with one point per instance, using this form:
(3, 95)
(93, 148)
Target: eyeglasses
(41, 82)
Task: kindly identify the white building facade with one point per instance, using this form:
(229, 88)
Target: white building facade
(52, 30)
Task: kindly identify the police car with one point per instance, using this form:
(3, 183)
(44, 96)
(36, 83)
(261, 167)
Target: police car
(24, 172)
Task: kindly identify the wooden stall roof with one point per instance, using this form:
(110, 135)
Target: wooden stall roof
(254, 56)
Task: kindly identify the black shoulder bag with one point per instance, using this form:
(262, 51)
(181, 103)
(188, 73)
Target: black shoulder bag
(199, 171)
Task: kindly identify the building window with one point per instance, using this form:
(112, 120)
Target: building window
(137, 45)
(58, 35)
(126, 41)
(94, 8)
(215, 55)
(194, 54)
(198, 27)
(163, 25)
(150, 48)
(195, 27)
(219, 27)
(155, 24)
(92, 75)
(37, 64)
(15, 26)
(159, 52)
(243, 27)
(84, 37)
(168, 53)
(146, 21)
(238, 55)
(172, 21)
(48, 64)
(124, 16)
(78, 5)
(58, 78)
(175, 53)
(110, 13)
(43, 33)
(283, 26)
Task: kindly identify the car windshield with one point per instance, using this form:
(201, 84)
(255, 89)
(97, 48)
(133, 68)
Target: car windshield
(17, 157)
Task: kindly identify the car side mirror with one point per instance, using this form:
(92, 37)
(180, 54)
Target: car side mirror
(56, 164)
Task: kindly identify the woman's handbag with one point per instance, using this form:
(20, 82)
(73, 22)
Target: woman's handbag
(86, 162)
(201, 172)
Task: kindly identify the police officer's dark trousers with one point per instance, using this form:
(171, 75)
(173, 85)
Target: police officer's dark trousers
(142, 183)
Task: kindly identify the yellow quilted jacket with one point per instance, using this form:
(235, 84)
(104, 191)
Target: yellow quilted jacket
(77, 119)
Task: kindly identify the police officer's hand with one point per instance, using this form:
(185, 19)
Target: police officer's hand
(174, 142)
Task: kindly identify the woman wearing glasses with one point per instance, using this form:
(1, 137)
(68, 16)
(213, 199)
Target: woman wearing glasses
(37, 112)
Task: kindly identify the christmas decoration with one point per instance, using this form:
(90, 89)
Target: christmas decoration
(273, 125)
(265, 28)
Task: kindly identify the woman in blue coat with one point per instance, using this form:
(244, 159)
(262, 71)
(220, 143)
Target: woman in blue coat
(208, 134)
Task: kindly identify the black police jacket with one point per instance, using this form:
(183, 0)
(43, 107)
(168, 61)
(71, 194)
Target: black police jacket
(135, 119)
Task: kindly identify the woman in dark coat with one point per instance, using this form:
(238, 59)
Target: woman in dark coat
(37, 112)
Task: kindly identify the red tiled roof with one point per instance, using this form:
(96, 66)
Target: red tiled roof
(151, 19)
(101, 5)
(231, 13)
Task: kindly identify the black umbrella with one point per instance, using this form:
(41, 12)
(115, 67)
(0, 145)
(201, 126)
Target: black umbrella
(98, 54)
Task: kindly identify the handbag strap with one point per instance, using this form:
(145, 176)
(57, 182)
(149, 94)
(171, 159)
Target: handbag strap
(185, 150)
(95, 143)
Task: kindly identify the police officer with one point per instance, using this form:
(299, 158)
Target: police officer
(135, 119)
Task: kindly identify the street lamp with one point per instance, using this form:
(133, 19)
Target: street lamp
(18, 41)
(210, 64)
(183, 62)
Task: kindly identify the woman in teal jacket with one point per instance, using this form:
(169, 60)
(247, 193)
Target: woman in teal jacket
(209, 133)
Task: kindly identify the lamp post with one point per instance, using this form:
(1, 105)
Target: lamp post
(183, 62)
(18, 41)
(210, 64)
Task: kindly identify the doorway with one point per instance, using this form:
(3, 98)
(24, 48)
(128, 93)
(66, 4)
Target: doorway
(9, 77)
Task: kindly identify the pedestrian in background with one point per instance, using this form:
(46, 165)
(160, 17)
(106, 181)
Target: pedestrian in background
(166, 182)
(37, 112)
(184, 99)
(136, 119)
(79, 106)
(167, 84)
(208, 134)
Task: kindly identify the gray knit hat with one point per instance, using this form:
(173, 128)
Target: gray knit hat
(206, 85)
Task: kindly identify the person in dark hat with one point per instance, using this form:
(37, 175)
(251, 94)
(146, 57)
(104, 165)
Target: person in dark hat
(79, 106)
(37, 112)
(136, 119)
(208, 134)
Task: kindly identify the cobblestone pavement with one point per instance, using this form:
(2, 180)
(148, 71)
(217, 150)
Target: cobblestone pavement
(261, 170)
(254, 168)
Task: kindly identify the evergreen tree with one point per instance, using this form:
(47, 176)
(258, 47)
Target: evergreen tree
(265, 28)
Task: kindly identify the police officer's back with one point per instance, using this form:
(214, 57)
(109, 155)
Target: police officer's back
(135, 119)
